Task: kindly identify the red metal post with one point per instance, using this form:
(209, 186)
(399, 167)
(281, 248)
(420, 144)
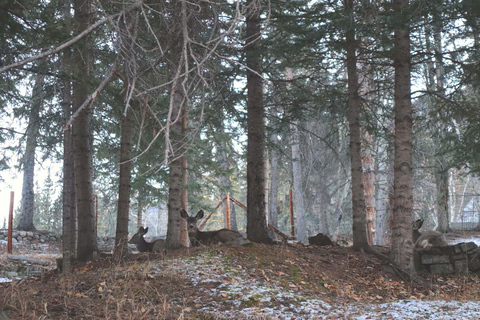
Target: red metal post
(227, 203)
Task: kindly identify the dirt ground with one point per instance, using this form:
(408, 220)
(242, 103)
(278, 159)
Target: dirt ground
(142, 288)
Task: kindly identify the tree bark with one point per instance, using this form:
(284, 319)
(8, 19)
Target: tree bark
(140, 205)
(184, 240)
(176, 173)
(274, 183)
(69, 225)
(441, 181)
(402, 243)
(442, 165)
(69, 209)
(354, 106)
(28, 196)
(256, 216)
(82, 139)
(297, 187)
(383, 189)
(124, 188)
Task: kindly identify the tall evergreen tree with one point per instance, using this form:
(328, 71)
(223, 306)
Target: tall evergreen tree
(402, 243)
(27, 210)
(82, 136)
(354, 106)
(256, 217)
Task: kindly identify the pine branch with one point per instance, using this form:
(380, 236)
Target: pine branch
(70, 42)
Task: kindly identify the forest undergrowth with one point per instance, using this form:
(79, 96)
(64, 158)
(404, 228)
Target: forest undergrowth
(218, 282)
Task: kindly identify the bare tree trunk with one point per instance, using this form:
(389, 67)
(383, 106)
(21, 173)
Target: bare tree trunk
(124, 188)
(176, 172)
(383, 190)
(256, 217)
(297, 186)
(69, 232)
(140, 206)
(354, 106)
(368, 166)
(184, 240)
(82, 140)
(127, 36)
(274, 183)
(28, 196)
(441, 181)
(233, 216)
(442, 166)
(402, 243)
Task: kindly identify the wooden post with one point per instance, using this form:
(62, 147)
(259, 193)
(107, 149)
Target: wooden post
(10, 223)
(238, 203)
(227, 206)
(292, 223)
(200, 227)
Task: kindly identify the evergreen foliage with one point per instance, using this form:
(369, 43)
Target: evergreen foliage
(303, 35)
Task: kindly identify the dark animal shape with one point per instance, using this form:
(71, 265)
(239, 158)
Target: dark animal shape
(198, 237)
(320, 240)
(143, 245)
(428, 238)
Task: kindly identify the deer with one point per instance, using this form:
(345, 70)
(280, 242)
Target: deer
(143, 245)
(198, 237)
(428, 238)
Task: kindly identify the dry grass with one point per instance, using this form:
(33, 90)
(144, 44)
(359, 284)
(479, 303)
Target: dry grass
(158, 286)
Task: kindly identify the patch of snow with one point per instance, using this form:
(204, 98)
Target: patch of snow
(5, 280)
(252, 296)
(417, 309)
(467, 239)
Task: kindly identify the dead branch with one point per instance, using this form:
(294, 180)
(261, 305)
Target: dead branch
(402, 273)
(91, 98)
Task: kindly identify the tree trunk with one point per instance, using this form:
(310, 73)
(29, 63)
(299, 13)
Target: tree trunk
(184, 240)
(140, 205)
(127, 36)
(233, 216)
(383, 189)
(354, 106)
(297, 187)
(225, 182)
(176, 173)
(28, 197)
(368, 166)
(256, 216)
(442, 166)
(402, 243)
(124, 188)
(82, 139)
(441, 181)
(274, 183)
(69, 231)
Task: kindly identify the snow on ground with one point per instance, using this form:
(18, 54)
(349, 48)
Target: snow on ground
(239, 290)
(465, 239)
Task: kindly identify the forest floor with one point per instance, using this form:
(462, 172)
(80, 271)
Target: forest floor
(247, 282)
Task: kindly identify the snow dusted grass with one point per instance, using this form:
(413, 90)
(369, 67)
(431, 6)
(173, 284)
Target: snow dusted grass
(417, 309)
(235, 292)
